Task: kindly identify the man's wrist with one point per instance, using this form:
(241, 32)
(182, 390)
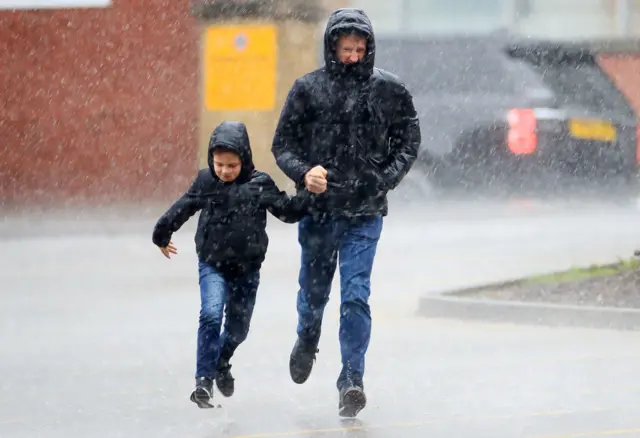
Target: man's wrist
(303, 171)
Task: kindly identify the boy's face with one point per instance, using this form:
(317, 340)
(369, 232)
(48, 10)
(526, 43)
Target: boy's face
(227, 165)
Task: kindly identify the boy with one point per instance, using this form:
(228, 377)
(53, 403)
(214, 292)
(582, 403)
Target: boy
(231, 243)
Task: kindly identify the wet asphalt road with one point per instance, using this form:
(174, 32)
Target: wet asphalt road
(97, 333)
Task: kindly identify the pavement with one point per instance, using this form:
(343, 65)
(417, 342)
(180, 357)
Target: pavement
(97, 333)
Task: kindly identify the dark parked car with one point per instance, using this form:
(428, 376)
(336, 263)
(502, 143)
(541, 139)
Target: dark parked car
(501, 108)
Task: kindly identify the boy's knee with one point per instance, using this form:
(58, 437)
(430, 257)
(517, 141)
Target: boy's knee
(211, 313)
(357, 285)
(241, 336)
(316, 299)
(355, 307)
(352, 302)
(238, 334)
(356, 292)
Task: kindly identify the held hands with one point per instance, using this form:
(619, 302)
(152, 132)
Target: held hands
(316, 180)
(168, 250)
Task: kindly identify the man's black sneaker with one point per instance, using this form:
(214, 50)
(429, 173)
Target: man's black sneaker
(203, 392)
(352, 401)
(301, 361)
(224, 379)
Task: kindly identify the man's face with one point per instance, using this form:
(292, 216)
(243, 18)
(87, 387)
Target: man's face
(351, 49)
(227, 165)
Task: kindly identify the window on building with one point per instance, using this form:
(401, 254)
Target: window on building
(566, 19)
(561, 19)
(448, 16)
(635, 19)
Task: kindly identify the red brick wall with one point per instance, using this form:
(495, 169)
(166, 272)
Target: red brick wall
(98, 104)
(624, 69)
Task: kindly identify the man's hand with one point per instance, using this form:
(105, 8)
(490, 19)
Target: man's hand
(316, 180)
(168, 250)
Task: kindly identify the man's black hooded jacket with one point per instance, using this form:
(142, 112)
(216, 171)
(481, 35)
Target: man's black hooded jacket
(357, 121)
(231, 233)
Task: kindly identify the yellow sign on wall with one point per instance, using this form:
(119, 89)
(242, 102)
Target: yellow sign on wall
(240, 64)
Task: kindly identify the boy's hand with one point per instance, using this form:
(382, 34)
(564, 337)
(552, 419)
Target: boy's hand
(316, 180)
(168, 250)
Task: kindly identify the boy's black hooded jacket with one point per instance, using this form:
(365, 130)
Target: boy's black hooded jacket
(231, 233)
(357, 121)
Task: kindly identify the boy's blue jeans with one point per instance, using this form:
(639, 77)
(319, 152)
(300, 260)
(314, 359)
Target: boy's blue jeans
(352, 241)
(236, 300)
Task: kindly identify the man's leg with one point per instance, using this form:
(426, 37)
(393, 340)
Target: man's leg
(238, 313)
(213, 294)
(357, 254)
(317, 238)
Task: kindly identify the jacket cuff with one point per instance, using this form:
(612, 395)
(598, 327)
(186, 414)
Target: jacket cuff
(160, 239)
(301, 172)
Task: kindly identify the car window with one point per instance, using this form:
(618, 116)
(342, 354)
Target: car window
(575, 77)
(447, 68)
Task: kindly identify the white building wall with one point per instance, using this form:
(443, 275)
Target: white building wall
(569, 19)
(562, 19)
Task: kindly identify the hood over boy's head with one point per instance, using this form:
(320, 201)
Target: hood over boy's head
(229, 156)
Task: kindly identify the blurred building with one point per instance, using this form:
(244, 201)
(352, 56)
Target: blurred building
(557, 19)
(104, 104)
(102, 99)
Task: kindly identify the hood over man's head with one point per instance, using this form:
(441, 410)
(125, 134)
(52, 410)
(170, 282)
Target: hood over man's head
(343, 51)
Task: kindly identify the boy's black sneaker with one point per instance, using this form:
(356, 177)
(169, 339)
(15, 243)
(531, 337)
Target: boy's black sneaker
(224, 379)
(301, 361)
(352, 401)
(203, 393)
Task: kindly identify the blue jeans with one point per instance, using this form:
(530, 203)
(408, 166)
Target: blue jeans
(236, 300)
(353, 241)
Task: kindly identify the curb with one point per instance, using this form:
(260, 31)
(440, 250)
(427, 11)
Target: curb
(517, 312)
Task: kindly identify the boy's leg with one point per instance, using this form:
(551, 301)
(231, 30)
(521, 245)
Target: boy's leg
(318, 242)
(213, 294)
(357, 254)
(238, 313)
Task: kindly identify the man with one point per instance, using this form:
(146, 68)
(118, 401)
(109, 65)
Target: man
(348, 133)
